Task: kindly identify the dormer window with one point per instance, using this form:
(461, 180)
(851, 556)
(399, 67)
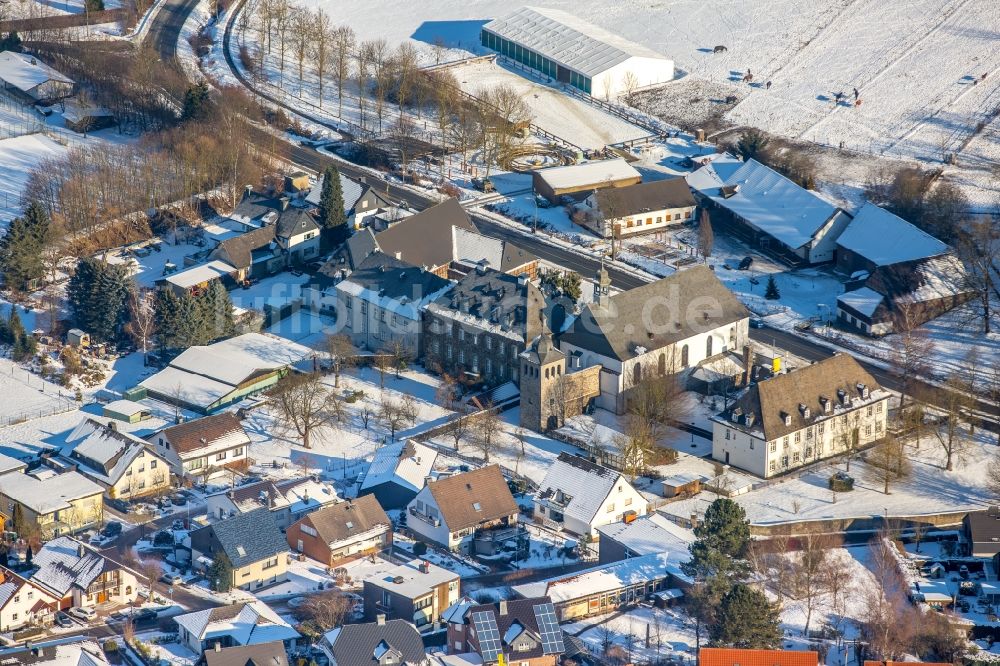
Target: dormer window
(863, 390)
(737, 413)
(749, 419)
(842, 396)
(804, 410)
(825, 403)
(786, 418)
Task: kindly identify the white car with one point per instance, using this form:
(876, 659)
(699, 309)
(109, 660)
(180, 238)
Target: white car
(82, 613)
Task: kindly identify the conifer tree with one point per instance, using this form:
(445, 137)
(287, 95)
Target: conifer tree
(21, 248)
(747, 620)
(331, 207)
(98, 298)
(216, 312)
(771, 293)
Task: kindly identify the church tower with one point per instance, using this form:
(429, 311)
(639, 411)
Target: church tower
(602, 288)
(543, 371)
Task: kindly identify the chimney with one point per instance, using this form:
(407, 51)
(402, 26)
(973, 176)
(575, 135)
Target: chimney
(424, 566)
(218, 646)
(283, 203)
(747, 364)
(503, 607)
(80, 550)
(112, 426)
(247, 191)
(522, 280)
(380, 619)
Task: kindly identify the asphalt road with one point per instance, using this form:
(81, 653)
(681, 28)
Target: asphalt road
(165, 28)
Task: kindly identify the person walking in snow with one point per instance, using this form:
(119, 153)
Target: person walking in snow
(856, 95)
(768, 85)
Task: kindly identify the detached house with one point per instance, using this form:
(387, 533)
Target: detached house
(123, 464)
(521, 631)
(418, 592)
(55, 503)
(825, 409)
(287, 500)
(398, 472)
(451, 512)
(580, 496)
(238, 624)
(360, 199)
(195, 447)
(77, 575)
(252, 543)
(23, 603)
(380, 643)
(639, 209)
(342, 532)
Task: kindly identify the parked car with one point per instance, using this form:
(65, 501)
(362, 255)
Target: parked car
(112, 529)
(102, 540)
(803, 325)
(145, 615)
(756, 322)
(177, 499)
(482, 184)
(119, 504)
(542, 202)
(177, 525)
(63, 620)
(83, 613)
(745, 263)
(170, 578)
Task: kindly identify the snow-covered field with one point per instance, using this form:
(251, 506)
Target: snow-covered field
(18, 156)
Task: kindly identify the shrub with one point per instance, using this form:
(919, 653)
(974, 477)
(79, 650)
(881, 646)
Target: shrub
(111, 646)
(841, 483)
(420, 548)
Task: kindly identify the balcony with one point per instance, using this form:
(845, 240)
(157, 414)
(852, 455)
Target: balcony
(436, 522)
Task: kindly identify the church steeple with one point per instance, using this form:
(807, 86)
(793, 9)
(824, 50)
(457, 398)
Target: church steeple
(602, 287)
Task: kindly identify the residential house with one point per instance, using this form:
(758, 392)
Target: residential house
(476, 330)
(360, 199)
(700, 319)
(379, 304)
(579, 496)
(238, 624)
(398, 472)
(75, 574)
(821, 410)
(123, 464)
(54, 503)
(82, 652)
(578, 181)
(442, 240)
(22, 603)
(769, 211)
(207, 378)
(196, 448)
(287, 500)
(523, 631)
(740, 657)
(380, 643)
(277, 235)
(258, 654)
(982, 532)
(607, 587)
(646, 535)
(452, 510)
(31, 80)
(417, 592)
(341, 532)
(252, 543)
(638, 209)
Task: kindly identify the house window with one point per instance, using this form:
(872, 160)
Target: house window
(489, 342)
(878, 426)
(152, 464)
(273, 562)
(386, 599)
(684, 356)
(869, 412)
(238, 451)
(142, 483)
(798, 436)
(868, 430)
(221, 455)
(611, 508)
(728, 432)
(771, 466)
(795, 457)
(878, 408)
(751, 444)
(820, 427)
(628, 502)
(774, 445)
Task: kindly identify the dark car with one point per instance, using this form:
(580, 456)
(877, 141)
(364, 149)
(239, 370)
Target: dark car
(745, 263)
(144, 615)
(112, 529)
(179, 499)
(63, 620)
(118, 504)
(756, 322)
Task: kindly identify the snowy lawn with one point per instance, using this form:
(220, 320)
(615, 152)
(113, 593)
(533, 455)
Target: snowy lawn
(304, 577)
(460, 565)
(670, 633)
(930, 489)
(18, 156)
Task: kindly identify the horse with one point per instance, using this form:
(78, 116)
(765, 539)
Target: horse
(719, 49)
(748, 77)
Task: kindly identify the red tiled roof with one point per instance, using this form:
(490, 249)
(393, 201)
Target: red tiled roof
(733, 657)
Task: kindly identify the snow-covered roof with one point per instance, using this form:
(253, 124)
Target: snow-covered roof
(26, 72)
(883, 238)
(578, 486)
(588, 173)
(767, 201)
(249, 623)
(206, 373)
(569, 40)
(104, 453)
(8, 464)
(409, 581)
(125, 407)
(196, 275)
(608, 578)
(77, 653)
(405, 463)
(49, 494)
(650, 534)
(65, 562)
(352, 191)
(863, 300)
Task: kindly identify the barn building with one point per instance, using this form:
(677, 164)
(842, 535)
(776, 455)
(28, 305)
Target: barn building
(581, 180)
(566, 49)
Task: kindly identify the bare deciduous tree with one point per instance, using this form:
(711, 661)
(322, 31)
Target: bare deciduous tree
(303, 403)
(142, 319)
(341, 351)
(343, 40)
(888, 462)
(955, 404)
(487, 428)
(322, 41)
(329, 608)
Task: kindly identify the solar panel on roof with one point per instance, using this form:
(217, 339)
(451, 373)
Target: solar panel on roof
(548, 628)
(488, 634)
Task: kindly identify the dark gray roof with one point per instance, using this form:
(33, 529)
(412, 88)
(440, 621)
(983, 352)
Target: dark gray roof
(425, 239)
(396, 279)
(262, 654)
(295, 221)
(239, 249)
(633, 319)
(984, 525)
(519, 611)
(490, 298)
(645, 197)
(355, 643)
(248, 537)
(543, 351)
